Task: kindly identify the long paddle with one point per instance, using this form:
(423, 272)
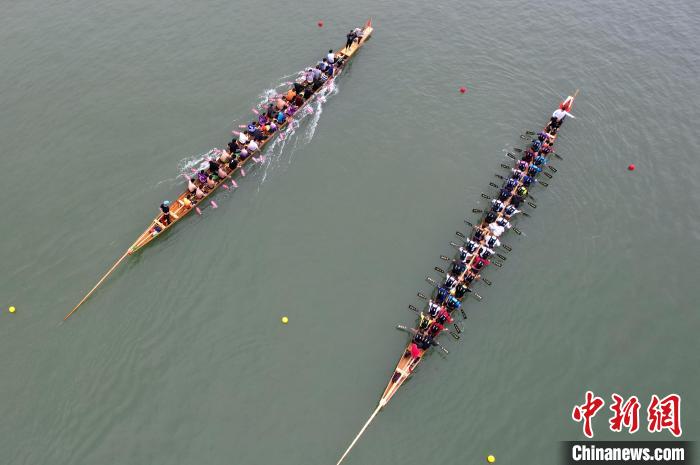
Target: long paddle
(114, 267)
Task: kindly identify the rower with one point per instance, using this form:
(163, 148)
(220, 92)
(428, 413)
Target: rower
(460, 290)
(210, 181)
(433, 308)
(165, 208)
(503, 222)
(522, 191)
(444, 316)
(479, 263)
(497, 206)
(536, 145)
(511, 184)
(458, 267)
(330, 58)
(504, 194)
(490, 217)
(435, 329)
(453, 303)
(471, 246)
(270, 110)
(243, 137)
(309, 76)
(527, 180)
(221, 173)
(464, 255)
(485, 252)
(478, 235)
(516, 200)
(251, 127)
(471, 276)
(522, 165)
(492, 241)
(450, 281)
(511, 210)
(191, 186)
(290, 95)
(243, 155)
(441, 295)
(233, 164)
(202, 177)
(252, 146)
(540, 160)
(213, 166)
(225, 156)
(496, 230)
(528, 156)
(424, 322)
(533, 170)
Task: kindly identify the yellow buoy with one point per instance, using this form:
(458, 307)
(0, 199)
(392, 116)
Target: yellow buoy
(285, 320)
(12, 309)
(491, 459)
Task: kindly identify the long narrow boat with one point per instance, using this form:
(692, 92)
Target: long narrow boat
(410, 359)
(181, 207)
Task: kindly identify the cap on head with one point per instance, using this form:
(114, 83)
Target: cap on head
(166, 203)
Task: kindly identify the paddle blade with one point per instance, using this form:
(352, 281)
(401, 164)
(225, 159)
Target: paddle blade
(242, 172)
(199, 212)
(255, 111)
(225, 186)
(236, 133)
(234, 183)
(214, 205)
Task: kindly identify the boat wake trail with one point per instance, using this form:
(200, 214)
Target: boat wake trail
(281, 151)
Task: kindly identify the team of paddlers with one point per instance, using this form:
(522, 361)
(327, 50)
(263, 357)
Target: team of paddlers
(251, 138)
(474, 255)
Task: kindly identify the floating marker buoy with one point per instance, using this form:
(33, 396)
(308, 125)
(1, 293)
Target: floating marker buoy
(631, 167)
(285, 320)
(462, 90)
(12, 310)
(320, 24)
(491, 459)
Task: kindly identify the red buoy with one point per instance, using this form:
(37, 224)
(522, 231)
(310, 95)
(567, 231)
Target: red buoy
(631, 167)
(320, 24)
(462, 90)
